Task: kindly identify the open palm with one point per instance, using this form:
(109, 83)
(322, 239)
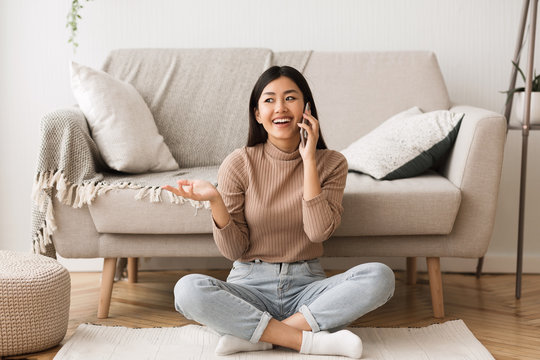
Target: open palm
(199, 190)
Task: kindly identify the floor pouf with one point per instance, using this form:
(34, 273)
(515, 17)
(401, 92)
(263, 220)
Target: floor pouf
(34, 302)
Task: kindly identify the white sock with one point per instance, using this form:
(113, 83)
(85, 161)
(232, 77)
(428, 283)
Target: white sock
(343, 342)
(229, 344)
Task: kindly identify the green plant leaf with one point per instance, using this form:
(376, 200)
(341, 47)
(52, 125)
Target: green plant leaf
(521, 72)
(510, 93)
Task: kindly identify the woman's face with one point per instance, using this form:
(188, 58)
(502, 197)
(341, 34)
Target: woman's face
(280, 109)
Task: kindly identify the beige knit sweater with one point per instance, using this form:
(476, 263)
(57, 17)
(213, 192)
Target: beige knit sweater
(262, 188)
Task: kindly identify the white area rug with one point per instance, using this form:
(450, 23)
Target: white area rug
(451, 340)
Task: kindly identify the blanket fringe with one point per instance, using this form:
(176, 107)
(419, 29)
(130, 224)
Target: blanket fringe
(78, 195)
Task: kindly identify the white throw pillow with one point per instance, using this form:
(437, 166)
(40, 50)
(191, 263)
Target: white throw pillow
(121, 123)
(405, 145)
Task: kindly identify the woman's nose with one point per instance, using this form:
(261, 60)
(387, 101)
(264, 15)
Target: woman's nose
(280, 106)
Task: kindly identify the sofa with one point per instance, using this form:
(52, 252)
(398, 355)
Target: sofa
(446, 211)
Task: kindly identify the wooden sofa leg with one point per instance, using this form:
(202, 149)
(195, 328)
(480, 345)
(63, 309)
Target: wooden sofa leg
(133, 264)
(411, 271)
(479, 267)
(435, 285)
(107, 280)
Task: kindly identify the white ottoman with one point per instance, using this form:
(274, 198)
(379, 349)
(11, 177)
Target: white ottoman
(34, 302)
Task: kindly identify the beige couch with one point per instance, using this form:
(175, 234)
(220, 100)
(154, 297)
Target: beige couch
(444, 213)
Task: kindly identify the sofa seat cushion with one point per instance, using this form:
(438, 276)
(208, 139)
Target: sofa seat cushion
(425, 204)
(118, 211)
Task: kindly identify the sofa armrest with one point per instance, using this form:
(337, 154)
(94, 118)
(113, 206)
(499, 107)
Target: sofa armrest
(67, 156)
(478, 151)
(66, 145)
(474, 166)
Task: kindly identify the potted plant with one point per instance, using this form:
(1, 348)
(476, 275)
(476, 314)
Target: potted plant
(519, 99)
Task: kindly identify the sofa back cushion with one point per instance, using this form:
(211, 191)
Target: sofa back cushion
(198, 97)
(357, 91)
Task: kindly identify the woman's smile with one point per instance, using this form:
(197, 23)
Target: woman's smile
(282, 122)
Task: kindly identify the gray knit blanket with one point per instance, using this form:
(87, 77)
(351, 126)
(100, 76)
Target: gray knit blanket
(70, 167)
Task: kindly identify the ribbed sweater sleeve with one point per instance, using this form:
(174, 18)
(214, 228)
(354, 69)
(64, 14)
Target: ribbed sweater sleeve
(322, 214)
(233, 239)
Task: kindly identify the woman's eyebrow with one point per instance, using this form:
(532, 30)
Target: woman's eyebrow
(285, 92)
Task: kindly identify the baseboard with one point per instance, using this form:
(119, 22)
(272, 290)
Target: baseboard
(493, 263)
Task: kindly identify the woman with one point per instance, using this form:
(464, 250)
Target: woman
(277, 201)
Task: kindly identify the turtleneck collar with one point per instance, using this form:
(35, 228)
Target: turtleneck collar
(274, 152)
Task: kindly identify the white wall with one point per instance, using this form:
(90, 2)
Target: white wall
(474, 41)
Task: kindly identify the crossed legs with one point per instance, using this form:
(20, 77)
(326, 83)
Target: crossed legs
(287, 333)
(325, 304)
(276, 333)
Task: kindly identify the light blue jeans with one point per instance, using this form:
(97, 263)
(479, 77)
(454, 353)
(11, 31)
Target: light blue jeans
(257, 291)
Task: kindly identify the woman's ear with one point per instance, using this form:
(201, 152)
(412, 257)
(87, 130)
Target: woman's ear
(257, 115)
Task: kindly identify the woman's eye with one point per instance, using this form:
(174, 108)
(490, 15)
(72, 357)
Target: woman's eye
(290, 98)
(269, 100)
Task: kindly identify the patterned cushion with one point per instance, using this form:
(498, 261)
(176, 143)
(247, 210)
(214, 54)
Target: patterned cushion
(405, 145)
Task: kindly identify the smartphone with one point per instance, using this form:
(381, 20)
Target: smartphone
(303, 133)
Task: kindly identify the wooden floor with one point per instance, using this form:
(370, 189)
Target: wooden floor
(509, 328)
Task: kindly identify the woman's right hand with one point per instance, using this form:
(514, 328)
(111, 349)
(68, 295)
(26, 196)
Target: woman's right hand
(199, 190)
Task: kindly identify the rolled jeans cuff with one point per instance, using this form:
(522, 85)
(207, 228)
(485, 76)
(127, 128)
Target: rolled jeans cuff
(309, 318)
(263, 323)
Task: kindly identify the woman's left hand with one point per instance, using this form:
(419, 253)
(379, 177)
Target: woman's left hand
(311, 125)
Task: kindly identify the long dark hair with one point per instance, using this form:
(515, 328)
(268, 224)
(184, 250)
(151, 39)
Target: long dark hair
(257, 133)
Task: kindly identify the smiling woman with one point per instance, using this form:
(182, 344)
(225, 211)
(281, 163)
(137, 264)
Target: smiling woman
(278, 201)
